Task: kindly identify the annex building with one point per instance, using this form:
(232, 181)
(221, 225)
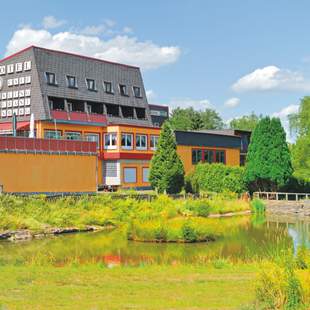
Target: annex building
(82, 99)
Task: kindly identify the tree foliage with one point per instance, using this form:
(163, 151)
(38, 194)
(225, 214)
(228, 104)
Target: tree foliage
(246, 122)
(216, 178)
(268, 160)
(300, 125)
(190, 119)
(167, 171)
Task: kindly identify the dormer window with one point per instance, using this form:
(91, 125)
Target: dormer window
(137, 92)
(123, 90)
(91, 84)
(50, 78)
(71, 81)
(108, 87)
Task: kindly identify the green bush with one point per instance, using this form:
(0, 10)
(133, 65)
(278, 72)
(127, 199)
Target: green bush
(216, 178)
(257, 206)
(188, 232)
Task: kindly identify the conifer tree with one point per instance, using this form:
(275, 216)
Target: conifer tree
(167, 171)
(268, 161)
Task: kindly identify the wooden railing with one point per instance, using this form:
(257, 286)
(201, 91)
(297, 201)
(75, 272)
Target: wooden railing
(281, 196)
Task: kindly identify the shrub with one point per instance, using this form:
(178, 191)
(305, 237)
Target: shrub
(188, 233)
(257, 206)
(216, 178)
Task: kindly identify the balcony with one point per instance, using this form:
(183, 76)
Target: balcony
(79, 117)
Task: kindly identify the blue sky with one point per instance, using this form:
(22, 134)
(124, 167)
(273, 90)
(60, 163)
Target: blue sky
(235, 56)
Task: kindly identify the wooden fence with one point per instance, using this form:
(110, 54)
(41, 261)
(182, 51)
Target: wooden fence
(281, 196)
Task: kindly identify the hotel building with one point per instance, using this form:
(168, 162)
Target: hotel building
(73, 97)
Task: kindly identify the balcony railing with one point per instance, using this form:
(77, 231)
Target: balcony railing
(46, 145)
(79, 117)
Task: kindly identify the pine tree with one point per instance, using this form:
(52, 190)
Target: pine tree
(268, 161)
(167, 171)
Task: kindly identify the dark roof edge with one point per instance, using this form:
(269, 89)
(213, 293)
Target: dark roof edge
(208, 133)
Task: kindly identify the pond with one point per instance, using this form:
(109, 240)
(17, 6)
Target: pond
(254, 237)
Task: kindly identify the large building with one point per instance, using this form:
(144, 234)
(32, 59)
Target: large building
(75, 97)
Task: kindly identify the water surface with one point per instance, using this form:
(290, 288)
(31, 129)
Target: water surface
(253, 237)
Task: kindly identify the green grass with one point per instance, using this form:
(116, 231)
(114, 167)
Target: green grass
(151, 287)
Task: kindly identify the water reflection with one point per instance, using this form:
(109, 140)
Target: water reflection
(255, 237)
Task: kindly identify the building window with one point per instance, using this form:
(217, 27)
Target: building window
(220, 157)
(141, 142)
(110, 140)
(70, 106)
(72, 135)
(196, 156)
(209, 156)
(123, 90)
(52, 134)
(127, 141)
(130, 175)
(137, 92)
(93, 137)
(91, 84)
(50, 78)
(71, 81)
(154, 142)
(88, 109)
(108, 87)
(145, 175)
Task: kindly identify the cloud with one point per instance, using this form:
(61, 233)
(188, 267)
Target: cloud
(200, 104)
(283, 115)
(121, 48)
(150, 94)
(232, 102)
(50, 22)
(272, 78)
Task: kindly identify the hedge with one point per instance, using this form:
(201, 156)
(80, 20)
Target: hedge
(215, 178)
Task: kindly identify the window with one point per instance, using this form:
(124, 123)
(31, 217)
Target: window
(141, 142)
(2, 70)
(88, 107)
(71, 80)
(196, 156)
(10, 68)
(19, 67)
(110, 141)
(220, 156)
(108, 87)
(27, 65)
(137, 92)
(50, 78)
(130, 175)
(127, 141)
(93, 137)
(154, 142)
(91, 84)
(209, 156)
(73, 135)
(145, 174)
(52, 134)
(123, 90)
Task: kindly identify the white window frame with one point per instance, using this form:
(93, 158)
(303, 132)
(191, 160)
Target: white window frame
(154, 147)
(22, 80)
(110, 146)
(105, 89)
(73, 133)
(19, 67)
(28, 79)
(27, 65)
(126, 147)
(139, 147)
(10, 68)
(95, 84)
(75, 81)
(140, 91)
(27, 111)
(56, 132)
(2, 70)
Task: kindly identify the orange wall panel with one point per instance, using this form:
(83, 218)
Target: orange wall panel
(139, 168)
(185, 153)
(22, 172)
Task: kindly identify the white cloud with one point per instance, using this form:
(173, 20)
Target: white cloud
(50, 22)
(121, 48)
(200, 104)
(272, 78)
(93, 30)
(127, 30)
(150, 94)
(283, 115)
(232, 102)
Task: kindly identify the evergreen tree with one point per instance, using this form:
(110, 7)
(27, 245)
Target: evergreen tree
(167, 171)
(268, 160)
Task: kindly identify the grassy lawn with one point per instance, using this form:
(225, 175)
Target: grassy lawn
(150, 287)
